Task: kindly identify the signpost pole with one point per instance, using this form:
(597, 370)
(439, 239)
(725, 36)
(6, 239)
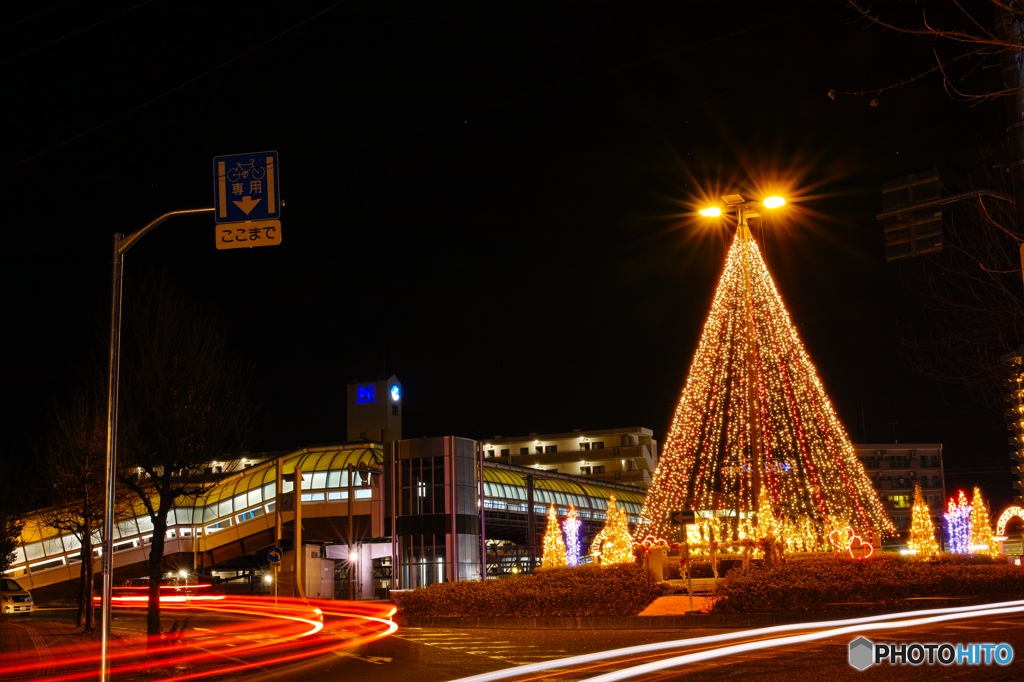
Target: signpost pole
(689, 577)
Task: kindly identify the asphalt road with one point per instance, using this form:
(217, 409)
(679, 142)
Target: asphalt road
(439, 655)
(429, 655)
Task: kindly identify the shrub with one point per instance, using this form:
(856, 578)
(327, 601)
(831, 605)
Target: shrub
(885, 581)
(622, 590)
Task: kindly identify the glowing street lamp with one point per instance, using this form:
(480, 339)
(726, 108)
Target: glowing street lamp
(745, 208)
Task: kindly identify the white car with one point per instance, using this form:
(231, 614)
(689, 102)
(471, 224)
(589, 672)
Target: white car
(13, 599)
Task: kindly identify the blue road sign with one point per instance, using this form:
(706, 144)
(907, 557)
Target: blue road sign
(246, 187)
(274, 555)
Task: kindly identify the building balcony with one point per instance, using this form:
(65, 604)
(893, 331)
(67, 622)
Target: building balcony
(640, 454)
(637, 477)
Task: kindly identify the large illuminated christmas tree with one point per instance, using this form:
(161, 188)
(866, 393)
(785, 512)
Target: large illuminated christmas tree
(754, 416)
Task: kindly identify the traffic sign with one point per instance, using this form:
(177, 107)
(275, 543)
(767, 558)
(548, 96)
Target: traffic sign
(246, 187)
(249, 234)
(274, 555)
(679, 518)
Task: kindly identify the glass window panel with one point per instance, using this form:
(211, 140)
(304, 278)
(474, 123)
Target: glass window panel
(240, 502)
(255, 496)
(521, 492)
(333, 479)
(487, 489)
(19, 555)
(53, 546)
(337, 495)
(428, 472)
(224, 508)
(364, 494)
(126, 528)
(71, 543)
(306, 480)
(439, 505)
(270, 491)
(287, 486)
(145, 523)
(319, 480)
(183, 515)
(343, 476)
(210, 512)
(34, 550)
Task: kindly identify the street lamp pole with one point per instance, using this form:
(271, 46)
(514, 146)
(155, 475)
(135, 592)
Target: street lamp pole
(745, 209)
(121, 245)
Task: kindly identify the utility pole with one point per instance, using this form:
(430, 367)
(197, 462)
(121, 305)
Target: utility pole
(351, 544)
(121, 246)
(530, 524)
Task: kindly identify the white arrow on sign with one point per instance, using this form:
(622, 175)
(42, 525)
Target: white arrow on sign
(246, 204)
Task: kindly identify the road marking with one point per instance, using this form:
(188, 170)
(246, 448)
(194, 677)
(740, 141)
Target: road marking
(1009, 622)
(962, 627)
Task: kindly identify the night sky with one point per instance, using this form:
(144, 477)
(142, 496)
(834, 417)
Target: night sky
(488, 199)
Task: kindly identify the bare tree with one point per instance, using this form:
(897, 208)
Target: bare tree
(969, 297)
(11, 524)
(186, 400)
(74, 475)
(966, 38)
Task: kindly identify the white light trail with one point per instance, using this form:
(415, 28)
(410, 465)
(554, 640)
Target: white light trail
(785, 641)
(854, 623)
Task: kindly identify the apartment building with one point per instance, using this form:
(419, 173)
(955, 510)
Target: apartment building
(895, 469)
(626, 456)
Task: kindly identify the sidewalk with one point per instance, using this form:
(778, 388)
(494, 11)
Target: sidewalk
(33, 649)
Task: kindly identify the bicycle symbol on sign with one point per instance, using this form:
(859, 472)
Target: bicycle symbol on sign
(240, 172)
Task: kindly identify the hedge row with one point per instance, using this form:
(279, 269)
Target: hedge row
(843, 584)
(622, 590)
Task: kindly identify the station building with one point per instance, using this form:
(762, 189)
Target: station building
(379, 511)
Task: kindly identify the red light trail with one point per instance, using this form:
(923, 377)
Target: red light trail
(264, 635)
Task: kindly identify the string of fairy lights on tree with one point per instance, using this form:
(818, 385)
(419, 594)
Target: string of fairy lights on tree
(571, 525)
(982, 539)
(614, 544)
(554, 546)
(922, 530)
(958, 523)
(751, 372)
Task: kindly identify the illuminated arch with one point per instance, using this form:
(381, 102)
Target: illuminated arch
(1007, 515)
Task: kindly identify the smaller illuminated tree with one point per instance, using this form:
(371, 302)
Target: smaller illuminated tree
(981, 527)
(958, 519)
(554, 545)
(614, 542)
(572, 537)
(922, 530)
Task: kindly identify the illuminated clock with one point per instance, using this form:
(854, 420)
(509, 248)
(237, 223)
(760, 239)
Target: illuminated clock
(395, 393)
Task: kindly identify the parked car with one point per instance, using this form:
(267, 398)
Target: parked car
(13, 599)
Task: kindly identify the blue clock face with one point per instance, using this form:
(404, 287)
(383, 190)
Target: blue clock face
(395, 393)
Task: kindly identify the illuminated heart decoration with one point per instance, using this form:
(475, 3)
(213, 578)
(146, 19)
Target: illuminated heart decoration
(841, 539)
(862, 548)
